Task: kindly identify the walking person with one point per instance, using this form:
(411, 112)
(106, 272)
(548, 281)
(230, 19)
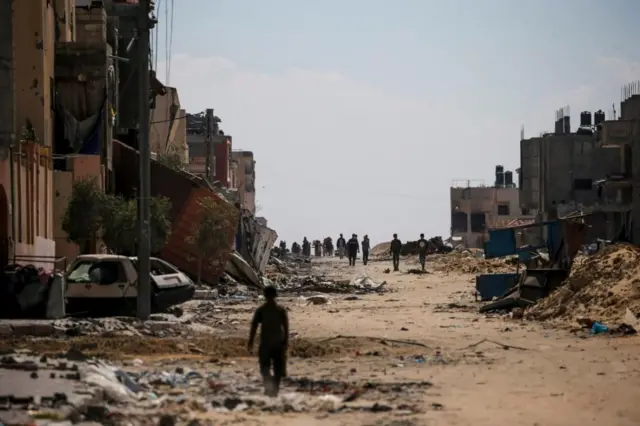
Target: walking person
(306, 247)
(394, 250)
(365, 249)
(342, 246)
(353, 248)
(423, 246)
(274, 339)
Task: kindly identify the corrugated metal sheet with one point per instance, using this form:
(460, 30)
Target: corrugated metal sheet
(184, 191)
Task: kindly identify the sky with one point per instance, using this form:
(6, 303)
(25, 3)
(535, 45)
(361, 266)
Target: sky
(362, 113)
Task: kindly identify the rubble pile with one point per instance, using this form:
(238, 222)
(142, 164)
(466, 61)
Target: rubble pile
(309, 284)
(73, 388)
(603, 287)
(467, 262)
(292, 274)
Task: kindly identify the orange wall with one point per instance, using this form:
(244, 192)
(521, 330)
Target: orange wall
(78, 167)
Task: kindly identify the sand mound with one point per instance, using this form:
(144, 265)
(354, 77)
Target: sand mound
(381, 249)
(467, 263)
(600, 287)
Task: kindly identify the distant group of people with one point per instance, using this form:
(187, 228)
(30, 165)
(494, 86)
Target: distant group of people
(273, 319)
(395, 249)
(352, 247)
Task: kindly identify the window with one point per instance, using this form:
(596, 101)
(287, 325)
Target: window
(504, 210)
(478, 222)
(583, 184)
(458, 222)
(100, 272)
(158, 267)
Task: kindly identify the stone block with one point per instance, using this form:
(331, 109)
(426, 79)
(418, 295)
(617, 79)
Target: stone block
(33, 329)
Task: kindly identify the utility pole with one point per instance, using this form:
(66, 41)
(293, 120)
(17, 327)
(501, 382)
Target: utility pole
(209, 125)
(144, 191)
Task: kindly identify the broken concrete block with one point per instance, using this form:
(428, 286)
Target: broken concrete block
(33, 329)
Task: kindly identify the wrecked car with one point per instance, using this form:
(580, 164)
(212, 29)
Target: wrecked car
(106, 284)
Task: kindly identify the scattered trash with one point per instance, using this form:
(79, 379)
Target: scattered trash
(598, 328)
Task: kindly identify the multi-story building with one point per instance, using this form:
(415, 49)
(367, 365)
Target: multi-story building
(28, 34)
(245, 175)
(560, 171)
(221, 165)
(476, 208)
(621, 137)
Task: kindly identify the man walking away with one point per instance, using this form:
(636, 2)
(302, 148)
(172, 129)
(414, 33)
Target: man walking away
(423, 245)
(274, 339)
(365, 249)
(394, 250)
(342, 245)
(306, 247)
(352, 249)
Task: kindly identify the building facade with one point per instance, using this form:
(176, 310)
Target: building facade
(168, 132)
(221, 162)
(622, 138)
(561, 174)
(29, 31)
(476, 209)
(245, 175)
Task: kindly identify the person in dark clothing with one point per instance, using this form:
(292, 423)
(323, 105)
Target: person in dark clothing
(341, 244)
(352, 249)
(306, 247)
(274, 339)
(394, 250)
(365, 249)
(423, 246)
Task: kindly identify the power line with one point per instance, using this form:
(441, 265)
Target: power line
(174, 119)
(170, 41)
(156, 40)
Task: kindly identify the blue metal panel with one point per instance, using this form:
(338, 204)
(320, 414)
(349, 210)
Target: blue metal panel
(494, 285)
(554, 236)
(502, 242)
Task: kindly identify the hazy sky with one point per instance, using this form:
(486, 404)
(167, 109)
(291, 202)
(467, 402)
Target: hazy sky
(361, 113)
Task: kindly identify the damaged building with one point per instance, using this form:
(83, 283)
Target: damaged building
(621, 138)
(561, 175)
(476, 208)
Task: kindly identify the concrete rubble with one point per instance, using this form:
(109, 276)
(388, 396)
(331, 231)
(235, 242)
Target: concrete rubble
(290, 274)
(71, 388)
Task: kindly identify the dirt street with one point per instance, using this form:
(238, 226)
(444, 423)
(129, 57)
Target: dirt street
(407, 357)
(560, 379)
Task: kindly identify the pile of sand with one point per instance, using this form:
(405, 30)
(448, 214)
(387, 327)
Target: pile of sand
(467, 262)
(381, 249)
(600, 287)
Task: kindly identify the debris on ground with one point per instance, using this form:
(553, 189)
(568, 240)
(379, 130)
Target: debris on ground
(467, 262)
(72, 388)
(602, 287)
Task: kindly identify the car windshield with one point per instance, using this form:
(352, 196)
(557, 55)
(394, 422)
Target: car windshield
(80, 272)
